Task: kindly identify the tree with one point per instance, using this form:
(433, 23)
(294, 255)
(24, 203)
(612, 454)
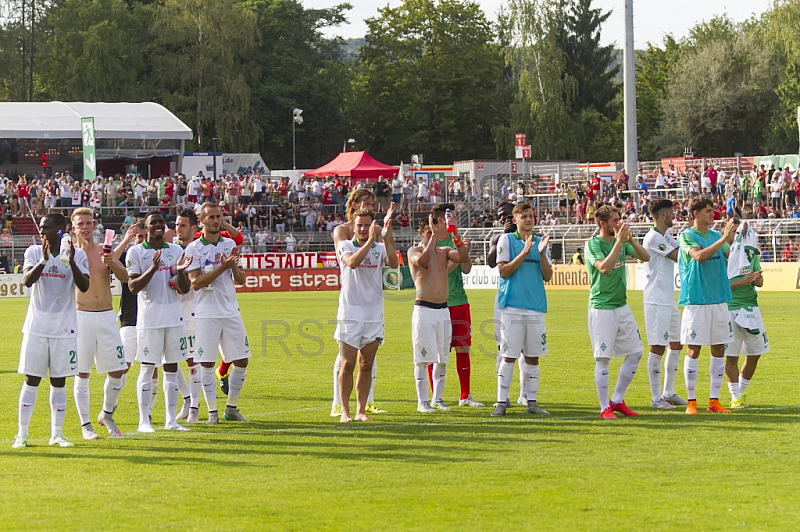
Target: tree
(202, 70)
(654, 71)
(95, 52)
(427, 81)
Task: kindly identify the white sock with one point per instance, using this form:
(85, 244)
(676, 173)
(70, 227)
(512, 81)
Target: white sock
(154, 391)
(690, 375)
(183, 386)
(144, 392)
(421, 377)
(523, 381)
(654, 373)
(439, 375)
(210, 387)
(626, 373)
(671, 363)
(81, 393)
(27, 400)
(123, 380)
(58, 409)
(195, 385)
(371, 396)
(531, 374)
(111, 389)
(337, 367)
(171, 391)
(601, 380)
(743, 383)
(235, 384)
(505, 374)
(717, 369)
(499, 361)
(733, 387)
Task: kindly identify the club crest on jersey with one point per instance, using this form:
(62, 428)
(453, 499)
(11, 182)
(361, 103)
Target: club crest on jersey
(54, 269)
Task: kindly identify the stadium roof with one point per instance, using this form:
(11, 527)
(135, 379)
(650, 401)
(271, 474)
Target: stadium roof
(62, 120)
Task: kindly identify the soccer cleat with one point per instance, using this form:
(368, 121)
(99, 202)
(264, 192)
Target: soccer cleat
(220, 375)
(184, 413)
(737, 404)
(20, 441)
(439, 405)
(520, 401)
(623, 409)
(61, 440)
(175, 426)
(662, 404)
(715, 406)
(691, 407)
(223, 385)
(336, 410)
(608, 414)
(534, 408)
(676, 400)
(213, 418)
(744, 399)
(105, 420)
(194, 416)
(88, 432)
(499, 409)
(425, 408)
(145, 428)
(469, 401)
(232, 414)
(372, 408)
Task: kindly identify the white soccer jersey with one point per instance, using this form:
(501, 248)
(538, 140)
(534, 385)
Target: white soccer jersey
(361, 296)
(51, 310)
(158, 304)
(220, 301)
(660, 287)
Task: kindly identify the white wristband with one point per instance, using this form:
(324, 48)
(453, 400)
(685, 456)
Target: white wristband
(43, 262)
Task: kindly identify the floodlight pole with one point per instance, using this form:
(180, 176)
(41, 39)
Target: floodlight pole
(214, 156)
(629, 69)
(294, 161)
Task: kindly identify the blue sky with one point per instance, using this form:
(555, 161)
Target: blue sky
(652, 18)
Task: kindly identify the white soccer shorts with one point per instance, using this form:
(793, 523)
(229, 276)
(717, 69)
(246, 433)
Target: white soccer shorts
(164, 345)
(358, 334)
(38, 354)
(614, 333)
(129, 343)
(99, 342)
(662, 324)
(431, 335)
(227, 334)
(522, 333)
(706, 325)
(745, 342)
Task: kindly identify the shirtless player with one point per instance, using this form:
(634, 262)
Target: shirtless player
(430, 320)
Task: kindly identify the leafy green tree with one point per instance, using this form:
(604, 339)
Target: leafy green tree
(654, 71)
(427, 82)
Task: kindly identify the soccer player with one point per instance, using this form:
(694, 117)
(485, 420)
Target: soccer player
(153, 267)
(361, 198)
(218, 323)
(612, 327)
(506, 217)
(430, 330)
(458, 306)
(749, 333)
(705, 292)
(128, 301)
(359, 328)
(49, 339)
(185, 229)
(662, 320)
(99, 342)
(524, 267)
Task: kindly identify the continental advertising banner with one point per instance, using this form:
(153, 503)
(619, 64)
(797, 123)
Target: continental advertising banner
(565, 277)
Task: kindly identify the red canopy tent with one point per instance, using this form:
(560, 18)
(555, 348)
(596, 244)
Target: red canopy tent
(356, 165)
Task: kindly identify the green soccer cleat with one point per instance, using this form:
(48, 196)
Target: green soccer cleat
(20, 442)
(60, 440)
(336, 410)
(371, 408)
(737, 404)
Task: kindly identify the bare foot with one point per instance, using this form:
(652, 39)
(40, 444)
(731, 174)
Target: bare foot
(362, 417)
(345, 418)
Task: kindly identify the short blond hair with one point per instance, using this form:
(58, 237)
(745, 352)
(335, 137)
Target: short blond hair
(80, 211)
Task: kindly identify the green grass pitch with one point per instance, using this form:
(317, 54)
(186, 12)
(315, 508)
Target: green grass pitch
(295, 468)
